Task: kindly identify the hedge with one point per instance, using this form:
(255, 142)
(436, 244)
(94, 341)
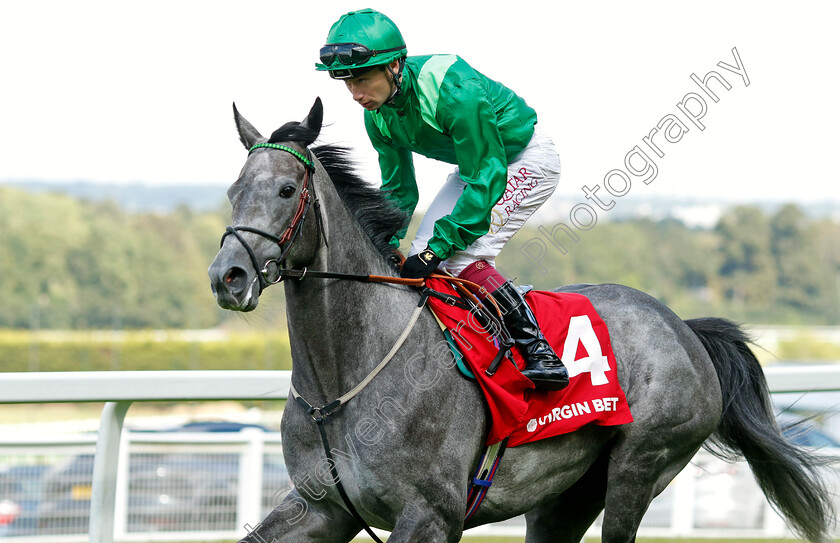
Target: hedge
(149, 350)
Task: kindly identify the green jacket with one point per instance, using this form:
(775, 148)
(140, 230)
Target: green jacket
(450, 112)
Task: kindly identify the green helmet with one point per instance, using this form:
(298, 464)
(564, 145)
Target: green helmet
(359, 41)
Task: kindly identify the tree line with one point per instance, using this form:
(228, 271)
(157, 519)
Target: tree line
(71, 264)
(778, 267)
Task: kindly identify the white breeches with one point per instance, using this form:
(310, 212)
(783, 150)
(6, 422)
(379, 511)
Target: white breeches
(532, 178)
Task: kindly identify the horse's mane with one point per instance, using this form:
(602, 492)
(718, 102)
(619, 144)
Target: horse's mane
(378, 215)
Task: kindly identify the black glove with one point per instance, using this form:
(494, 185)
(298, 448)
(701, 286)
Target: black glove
(420, 265)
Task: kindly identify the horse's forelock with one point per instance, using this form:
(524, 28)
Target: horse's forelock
(293, 131)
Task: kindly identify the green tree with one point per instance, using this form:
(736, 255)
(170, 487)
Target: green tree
(803, 279)
(747, 270)
(66, 263)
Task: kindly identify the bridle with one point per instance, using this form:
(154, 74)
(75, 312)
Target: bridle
(273, 271)
(290, 235)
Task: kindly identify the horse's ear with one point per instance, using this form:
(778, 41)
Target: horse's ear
(248, 135)
(314, 120)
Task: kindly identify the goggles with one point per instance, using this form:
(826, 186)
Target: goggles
(350, 54)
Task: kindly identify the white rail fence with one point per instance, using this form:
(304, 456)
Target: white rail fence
(109, 494)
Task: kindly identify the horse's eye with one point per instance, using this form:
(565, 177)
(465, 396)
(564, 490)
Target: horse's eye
(287, 191)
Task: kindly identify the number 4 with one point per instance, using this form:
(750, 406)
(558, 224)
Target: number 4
(581, 331)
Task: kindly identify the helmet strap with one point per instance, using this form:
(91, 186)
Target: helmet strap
(397, 79)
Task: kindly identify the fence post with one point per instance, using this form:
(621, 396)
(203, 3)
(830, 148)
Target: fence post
(121, 495)
(249, 500)
(103, 493)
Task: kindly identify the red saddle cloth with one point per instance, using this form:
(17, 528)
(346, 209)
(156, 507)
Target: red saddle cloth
(518, 411)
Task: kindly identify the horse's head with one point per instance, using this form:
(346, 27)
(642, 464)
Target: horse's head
(271, 199)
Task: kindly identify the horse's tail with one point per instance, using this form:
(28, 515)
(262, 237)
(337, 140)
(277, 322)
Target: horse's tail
(787, 474)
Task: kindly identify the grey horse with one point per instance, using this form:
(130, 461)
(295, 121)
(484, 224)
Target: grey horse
(406, 445)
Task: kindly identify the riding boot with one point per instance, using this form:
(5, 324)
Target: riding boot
(542, 366)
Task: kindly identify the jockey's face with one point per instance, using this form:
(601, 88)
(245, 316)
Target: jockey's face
(373, 88)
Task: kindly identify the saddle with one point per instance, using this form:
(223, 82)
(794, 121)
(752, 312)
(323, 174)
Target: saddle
(520, 413)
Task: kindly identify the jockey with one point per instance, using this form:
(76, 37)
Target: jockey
(442, 108)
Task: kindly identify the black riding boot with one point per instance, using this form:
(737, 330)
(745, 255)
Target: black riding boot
(542, 365)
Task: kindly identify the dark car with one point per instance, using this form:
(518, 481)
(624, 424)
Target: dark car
(803, 432)
(191, 491)
(214, 427)
(175, 491)
(20, 494)
(65, 502)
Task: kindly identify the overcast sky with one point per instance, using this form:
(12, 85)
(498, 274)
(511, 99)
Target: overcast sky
(142, 91)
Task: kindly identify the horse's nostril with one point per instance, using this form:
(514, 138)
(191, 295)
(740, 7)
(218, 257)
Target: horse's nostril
(235, 279)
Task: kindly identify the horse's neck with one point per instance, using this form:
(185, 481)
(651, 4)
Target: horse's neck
(339, 330)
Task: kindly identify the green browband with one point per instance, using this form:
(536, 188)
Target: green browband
(303, 158)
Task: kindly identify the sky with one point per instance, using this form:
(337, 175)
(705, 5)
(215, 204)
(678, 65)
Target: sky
(119, 92)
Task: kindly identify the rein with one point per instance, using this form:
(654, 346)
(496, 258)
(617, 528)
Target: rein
(300, 274)
(320, 414)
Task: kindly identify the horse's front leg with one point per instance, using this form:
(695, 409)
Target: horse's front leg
(294, 520)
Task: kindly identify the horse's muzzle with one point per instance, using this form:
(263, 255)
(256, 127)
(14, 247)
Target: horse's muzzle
(235, 289)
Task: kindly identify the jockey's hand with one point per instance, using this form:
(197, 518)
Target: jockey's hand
(420, 265)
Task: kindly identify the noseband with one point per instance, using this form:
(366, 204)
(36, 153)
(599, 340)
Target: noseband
(290, 235)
